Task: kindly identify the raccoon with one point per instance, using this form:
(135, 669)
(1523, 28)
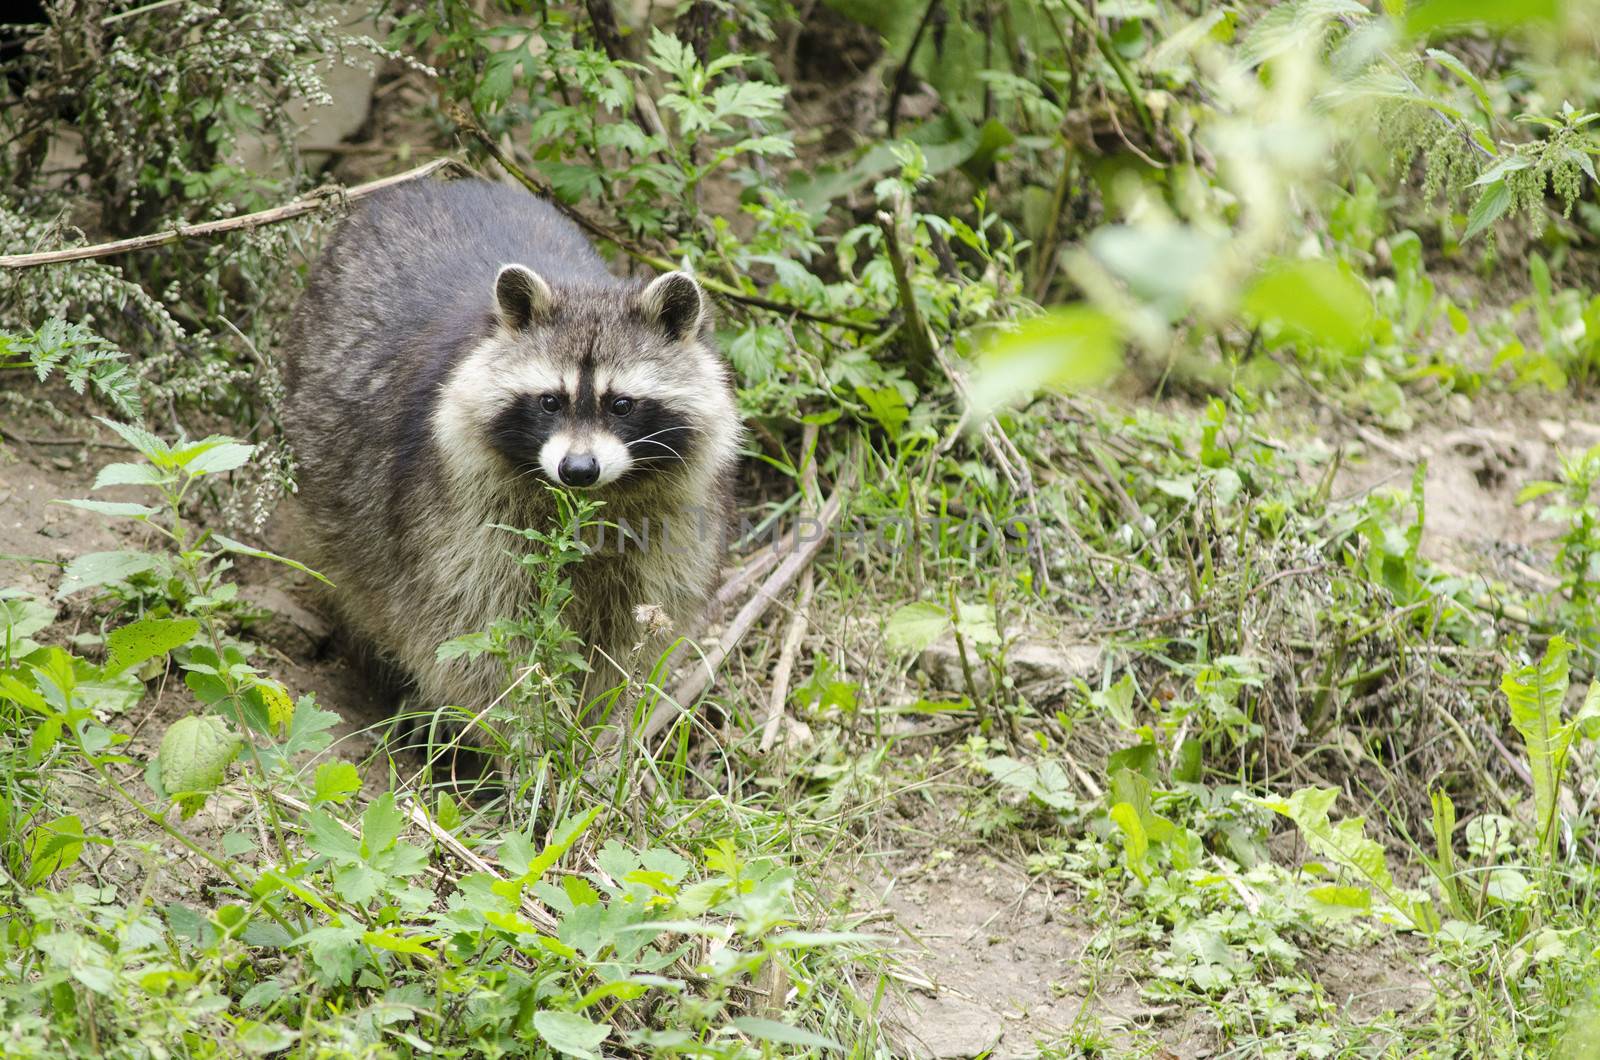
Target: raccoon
(459, 346)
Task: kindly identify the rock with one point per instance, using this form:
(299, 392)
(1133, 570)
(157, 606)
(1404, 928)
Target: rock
(948, 1028)
(290, 627)
(1037, 667)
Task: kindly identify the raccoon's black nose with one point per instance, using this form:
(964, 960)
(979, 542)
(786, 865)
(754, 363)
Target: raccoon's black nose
(581, 470)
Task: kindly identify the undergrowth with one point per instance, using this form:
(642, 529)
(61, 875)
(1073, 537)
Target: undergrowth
(1147, 650)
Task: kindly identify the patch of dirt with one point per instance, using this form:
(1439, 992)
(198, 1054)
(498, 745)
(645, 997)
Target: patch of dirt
(1475, 470)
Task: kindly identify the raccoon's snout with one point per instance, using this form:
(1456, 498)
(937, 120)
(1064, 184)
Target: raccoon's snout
(579, 469)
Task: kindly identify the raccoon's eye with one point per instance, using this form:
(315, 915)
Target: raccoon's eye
(550, 403)
(622, 406)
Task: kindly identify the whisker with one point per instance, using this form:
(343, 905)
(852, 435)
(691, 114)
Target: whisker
(665, 446)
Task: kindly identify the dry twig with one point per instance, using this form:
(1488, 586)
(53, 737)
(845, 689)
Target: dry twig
(792, 637)
(308, 203)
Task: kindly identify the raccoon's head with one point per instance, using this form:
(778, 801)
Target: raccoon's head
(590, 386)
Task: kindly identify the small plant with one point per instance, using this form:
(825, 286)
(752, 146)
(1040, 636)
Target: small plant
(1571, 505)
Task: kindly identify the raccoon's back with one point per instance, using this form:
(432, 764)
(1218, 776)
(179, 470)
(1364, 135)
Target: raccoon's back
(410, 274)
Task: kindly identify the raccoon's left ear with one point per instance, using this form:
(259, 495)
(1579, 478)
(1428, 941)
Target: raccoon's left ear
(675, 302)
(521, 296)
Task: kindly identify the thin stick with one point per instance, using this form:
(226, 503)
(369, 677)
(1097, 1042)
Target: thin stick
(754, 567)
(308, 203)
(917, 335)
(689, 689)
(778, 698)
(787, 655)
(469, 125)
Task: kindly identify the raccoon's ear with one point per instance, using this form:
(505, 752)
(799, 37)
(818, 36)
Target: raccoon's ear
(675, 302)
(521, 296)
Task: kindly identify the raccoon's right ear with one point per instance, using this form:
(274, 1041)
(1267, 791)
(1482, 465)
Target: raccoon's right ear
(521, 296)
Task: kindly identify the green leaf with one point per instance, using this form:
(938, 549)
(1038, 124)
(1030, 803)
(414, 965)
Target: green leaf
(261, 1039)
(976, 624)
(1070, 348)
(1313, 300)
(1489, 208)
(118, 509)
(194, 754)
(335, 782)
(240, 548)
(54, 846)
(1430, 15)
(128, 475)
(1470, 79)
(145, 639)
(213, 456)
(103, 568)
(570, 1033)
(1135, 843)
(1535, 693)
(1346, 843)
(561, 842)
(1341, 896)
(153, 448)
(914, 627)
(783, 1033)
(380, 824)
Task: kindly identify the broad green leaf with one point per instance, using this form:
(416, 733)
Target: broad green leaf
(1508, 886)
(20, 618)
(1045, 781)
(1429, 15)
(914, 627)
(1136, 843)
(118, 509)
(380, 824)
(1069, 348)
(145, 639)
(976, 624)
(1535, 694)
(1313, 300)
(263, 1039)
(1489, 208)
(128, 475)
(1346, 843)
(152, 447)
(570, 1033)
(335, 782)
(279, 707)
(1340, 896)
(213, 456)
(103, 568)
(395, 942)
(53, 846)
(194, 754)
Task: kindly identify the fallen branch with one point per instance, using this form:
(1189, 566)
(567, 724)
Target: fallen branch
(755, 565)
(469, 125)
(689, 689)
(307, 203)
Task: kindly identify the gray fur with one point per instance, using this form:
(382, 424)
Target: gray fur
(407, 345)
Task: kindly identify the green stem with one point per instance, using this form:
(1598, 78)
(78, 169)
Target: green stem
(1109, 50)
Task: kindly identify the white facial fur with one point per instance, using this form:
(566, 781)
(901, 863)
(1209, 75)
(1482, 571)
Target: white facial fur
(608, 450)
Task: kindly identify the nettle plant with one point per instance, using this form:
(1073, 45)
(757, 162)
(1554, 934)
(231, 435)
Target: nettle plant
(308, 928)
